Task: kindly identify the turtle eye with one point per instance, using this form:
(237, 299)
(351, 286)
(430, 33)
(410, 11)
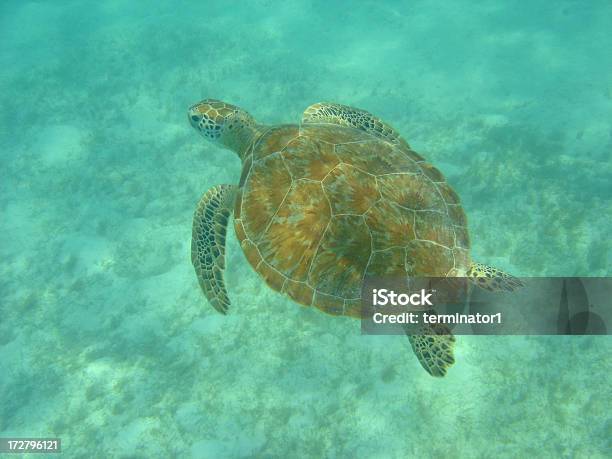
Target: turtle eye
(195, 118)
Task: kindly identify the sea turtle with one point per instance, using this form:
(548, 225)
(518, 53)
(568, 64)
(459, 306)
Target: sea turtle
(321, 204)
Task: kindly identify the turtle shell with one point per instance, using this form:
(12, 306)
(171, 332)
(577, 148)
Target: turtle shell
(320, 207)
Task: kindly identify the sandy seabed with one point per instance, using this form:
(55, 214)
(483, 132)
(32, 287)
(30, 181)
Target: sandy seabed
(105, 338)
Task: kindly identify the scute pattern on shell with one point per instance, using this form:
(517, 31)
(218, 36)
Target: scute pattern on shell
(322, 206)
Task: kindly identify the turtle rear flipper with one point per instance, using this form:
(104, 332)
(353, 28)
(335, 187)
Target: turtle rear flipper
(434, 348)
(208, 243)
(493, 279)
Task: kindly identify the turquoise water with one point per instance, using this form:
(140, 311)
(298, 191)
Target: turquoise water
(105, 338)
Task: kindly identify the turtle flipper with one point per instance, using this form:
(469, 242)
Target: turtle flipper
(493, 279)
(343, 115)
(208, 243)
(434, 348)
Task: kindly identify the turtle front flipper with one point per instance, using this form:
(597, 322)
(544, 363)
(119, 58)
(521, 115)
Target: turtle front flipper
(434, 348)
(343, 115)
(208, 243)
(493, 279)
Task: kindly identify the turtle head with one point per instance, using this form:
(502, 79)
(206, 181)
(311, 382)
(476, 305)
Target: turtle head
(225, 124)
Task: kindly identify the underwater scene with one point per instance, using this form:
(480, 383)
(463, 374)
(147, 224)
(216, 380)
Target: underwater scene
(113, 343)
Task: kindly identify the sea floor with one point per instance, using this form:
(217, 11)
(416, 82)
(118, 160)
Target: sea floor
(105, 338)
